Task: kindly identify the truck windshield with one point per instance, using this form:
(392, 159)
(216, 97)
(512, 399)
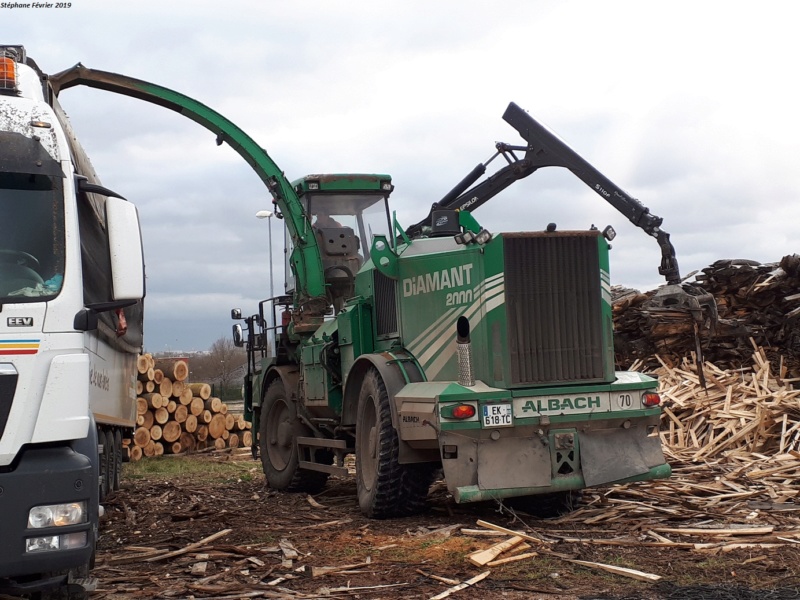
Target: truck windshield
(31, 237)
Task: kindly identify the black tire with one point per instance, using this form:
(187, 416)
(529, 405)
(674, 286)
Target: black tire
(70, 591)
(415, 486)
(278, 432)
(105, 464)
(117, 460)
(386, 489)
(112, 452)
(546, 506)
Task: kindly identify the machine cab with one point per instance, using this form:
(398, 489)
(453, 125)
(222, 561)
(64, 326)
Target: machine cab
(343, 211)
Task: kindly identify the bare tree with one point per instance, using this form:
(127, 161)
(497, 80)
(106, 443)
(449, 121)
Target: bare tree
(221, 365)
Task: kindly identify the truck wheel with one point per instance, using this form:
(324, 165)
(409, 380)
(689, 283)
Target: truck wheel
(111, 452)
(279, 429)
(105, 465)
(546, 506)
(117, 459)
(385, 488)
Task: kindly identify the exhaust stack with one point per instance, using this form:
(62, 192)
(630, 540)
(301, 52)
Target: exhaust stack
(466, 376)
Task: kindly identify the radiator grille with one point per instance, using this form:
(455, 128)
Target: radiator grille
(553, 307)
(385, 304)
(8, 385)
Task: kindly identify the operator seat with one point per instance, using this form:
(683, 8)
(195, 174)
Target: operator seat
(341, 261)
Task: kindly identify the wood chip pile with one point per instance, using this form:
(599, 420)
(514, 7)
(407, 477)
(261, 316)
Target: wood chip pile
(175, 416)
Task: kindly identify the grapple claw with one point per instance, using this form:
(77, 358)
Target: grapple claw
(688, 298)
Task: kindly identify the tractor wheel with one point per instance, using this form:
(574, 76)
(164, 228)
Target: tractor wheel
(278, 432)
(385, 487)
(546, 506)
(417, 480)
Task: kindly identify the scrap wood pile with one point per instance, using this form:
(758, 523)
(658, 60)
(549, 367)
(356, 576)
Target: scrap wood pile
(753, 300)
(740, 434)
(748, 411)
(734, 443)
(174, 416)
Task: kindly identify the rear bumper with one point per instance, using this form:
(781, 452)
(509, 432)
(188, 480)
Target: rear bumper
(473, 493)
(482, 464)
(49, 475)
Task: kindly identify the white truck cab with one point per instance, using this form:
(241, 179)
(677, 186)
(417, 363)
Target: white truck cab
(71, 290)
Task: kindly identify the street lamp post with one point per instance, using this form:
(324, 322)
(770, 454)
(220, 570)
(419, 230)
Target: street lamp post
(268, 214)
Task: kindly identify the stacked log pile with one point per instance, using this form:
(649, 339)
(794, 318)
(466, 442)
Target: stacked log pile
(758, 301)
(175, 416)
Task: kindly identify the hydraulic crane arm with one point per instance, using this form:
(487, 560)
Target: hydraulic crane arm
(458, 199)
(545, 149)
(306, 260)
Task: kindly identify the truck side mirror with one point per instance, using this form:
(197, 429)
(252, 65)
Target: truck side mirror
(85, 320)
(125, 250)
(238, 338)
(236, 313)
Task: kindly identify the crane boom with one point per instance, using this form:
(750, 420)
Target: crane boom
(545, 149)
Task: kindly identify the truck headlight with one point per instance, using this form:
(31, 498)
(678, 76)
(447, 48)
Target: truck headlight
(48, 543)
(57, 515)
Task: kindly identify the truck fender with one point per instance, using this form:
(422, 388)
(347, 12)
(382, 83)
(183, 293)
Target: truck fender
(396, 369)
(89, 447)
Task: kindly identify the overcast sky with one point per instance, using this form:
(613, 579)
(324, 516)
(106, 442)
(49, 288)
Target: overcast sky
(691, 107)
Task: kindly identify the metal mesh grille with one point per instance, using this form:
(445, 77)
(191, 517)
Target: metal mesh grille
(553, 304)
(385, 304)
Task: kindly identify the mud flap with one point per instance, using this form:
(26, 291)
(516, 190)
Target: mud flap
(611, 454)
(513, 463)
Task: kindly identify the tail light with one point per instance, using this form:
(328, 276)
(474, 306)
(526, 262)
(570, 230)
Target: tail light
(463, 411)
(458, 411)
(651, 399)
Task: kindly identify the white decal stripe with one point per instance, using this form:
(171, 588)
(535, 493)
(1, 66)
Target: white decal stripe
(493, 299)
(435, 330)
(441, 360)
(605, 289)
(432, 332)
(496, 301)
(493, 278)
(469, 312)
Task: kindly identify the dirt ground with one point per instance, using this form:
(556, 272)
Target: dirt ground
(275, 545)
